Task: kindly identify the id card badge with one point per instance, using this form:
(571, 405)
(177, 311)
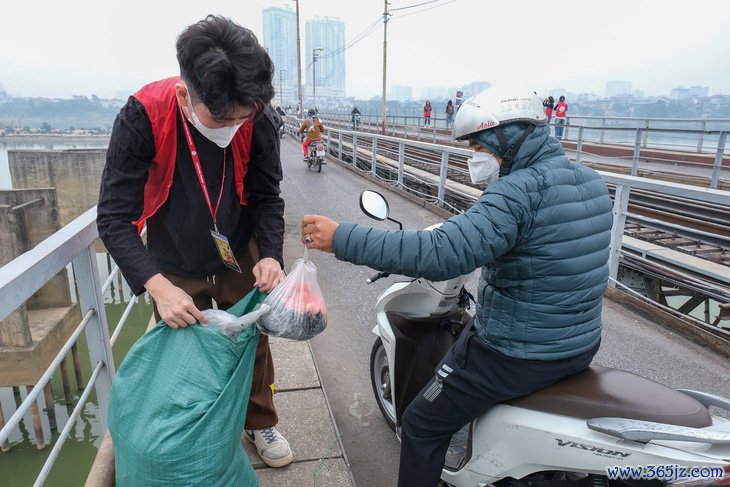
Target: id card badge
(225, 251)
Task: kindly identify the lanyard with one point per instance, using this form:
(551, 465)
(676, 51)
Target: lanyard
(199, 171)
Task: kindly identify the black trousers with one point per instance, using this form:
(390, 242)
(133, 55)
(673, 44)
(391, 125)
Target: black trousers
(470, 379)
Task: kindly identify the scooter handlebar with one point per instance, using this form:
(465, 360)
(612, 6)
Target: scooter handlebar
(377, 276)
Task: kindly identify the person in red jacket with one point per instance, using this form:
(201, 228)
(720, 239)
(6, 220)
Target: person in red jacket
(549, 104)
(196, 159)
(561, 110)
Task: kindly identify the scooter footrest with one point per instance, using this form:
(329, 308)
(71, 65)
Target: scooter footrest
(645, 431)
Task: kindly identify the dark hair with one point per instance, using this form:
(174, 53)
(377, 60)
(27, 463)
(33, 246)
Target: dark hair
(551, 99)
(562, 98)
(224, 65)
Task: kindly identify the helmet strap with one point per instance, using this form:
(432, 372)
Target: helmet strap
(510, 152)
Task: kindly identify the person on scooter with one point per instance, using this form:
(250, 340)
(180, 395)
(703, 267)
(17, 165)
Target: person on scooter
(541, 233)
(313, 128)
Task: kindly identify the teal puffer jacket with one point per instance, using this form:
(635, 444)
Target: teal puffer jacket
(541, 235)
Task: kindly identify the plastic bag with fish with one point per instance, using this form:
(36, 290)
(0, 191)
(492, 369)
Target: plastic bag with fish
(297, 309)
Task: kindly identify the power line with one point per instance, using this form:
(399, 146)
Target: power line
(413, 6)
(425, 9)
(355, 40)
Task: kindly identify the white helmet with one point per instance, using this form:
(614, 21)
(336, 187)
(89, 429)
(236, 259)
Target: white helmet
(493, 107)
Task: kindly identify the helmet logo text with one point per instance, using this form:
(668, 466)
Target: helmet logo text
(486, 125)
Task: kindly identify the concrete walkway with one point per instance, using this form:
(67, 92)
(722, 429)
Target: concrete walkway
(305, 419)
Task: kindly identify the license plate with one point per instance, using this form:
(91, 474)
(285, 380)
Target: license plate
(320, 152)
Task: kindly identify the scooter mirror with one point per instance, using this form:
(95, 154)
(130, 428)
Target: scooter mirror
(374, 205)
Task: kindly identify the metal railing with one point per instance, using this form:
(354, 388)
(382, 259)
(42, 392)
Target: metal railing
(359, 149)
(686, 135)
(636, 140)
(26, 274)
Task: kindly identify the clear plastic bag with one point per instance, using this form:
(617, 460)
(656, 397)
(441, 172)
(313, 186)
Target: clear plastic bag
(232, 325)
(297, 309)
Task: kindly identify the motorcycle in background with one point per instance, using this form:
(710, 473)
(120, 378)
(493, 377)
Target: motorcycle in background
(356, 121)
(600, 427)
(315, 155)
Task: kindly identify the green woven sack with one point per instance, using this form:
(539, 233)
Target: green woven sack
(178, 406)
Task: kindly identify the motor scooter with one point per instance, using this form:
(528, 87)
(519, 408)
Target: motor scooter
(315, 155)
(601, 427)
(356, 121)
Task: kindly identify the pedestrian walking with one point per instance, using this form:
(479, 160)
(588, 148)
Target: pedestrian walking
(560, 114)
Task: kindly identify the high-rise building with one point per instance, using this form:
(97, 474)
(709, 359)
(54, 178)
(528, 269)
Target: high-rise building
(615, 88)
(280, 39)
(325, 61)
(400, 92)
(682, 93)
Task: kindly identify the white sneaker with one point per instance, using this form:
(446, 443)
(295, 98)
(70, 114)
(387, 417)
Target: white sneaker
(273, 448)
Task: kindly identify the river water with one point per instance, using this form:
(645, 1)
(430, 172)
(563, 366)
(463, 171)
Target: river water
(20, 466)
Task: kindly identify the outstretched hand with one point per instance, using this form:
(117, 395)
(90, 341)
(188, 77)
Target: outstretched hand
(318, 232)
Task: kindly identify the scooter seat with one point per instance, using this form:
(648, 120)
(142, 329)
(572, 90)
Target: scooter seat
(604, 392)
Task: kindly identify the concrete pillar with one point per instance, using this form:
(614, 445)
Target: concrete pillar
(74, 173)
(35, 216)
(14, 330)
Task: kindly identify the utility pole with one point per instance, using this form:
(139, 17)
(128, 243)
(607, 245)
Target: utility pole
(299, 64)
(314, 75)
(385, 63)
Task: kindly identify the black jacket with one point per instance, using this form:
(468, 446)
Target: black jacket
(178, 239)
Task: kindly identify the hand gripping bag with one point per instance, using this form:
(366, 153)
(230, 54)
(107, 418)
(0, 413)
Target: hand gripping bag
(178, 406)
(297, 310)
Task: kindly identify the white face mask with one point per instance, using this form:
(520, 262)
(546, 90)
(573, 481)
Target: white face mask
(221, 136)
(483, 168)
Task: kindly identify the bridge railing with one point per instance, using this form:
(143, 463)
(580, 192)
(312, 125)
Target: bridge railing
(644, 139)
(682, 134)
(26, 274)
(364, 151)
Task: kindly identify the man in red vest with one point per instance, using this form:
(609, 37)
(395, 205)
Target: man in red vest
(196, 159)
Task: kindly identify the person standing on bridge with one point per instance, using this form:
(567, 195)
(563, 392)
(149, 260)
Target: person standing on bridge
(449, 114)
(195, 157)
(549, 104)
(561, 110)
(427, 113)
(540, 232)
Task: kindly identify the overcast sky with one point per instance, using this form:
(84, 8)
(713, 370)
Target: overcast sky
(81, 47)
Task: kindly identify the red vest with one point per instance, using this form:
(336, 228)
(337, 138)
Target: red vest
(160, 103)
(561, 109)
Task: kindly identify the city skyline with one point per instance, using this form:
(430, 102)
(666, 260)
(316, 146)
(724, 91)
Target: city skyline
(110, 50)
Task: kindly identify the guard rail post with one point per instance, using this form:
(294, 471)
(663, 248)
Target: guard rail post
(354, 149)
(89, 285)
(603, 125)
(401, 162)
(579, 145)
(374, 157)
(442, 177)
(637, 152)
(620, 207)
(646, 134)
(701, 137)
(718, 160)
(339, 148)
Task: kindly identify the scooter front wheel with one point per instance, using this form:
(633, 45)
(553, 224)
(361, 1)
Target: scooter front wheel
(380, 378)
